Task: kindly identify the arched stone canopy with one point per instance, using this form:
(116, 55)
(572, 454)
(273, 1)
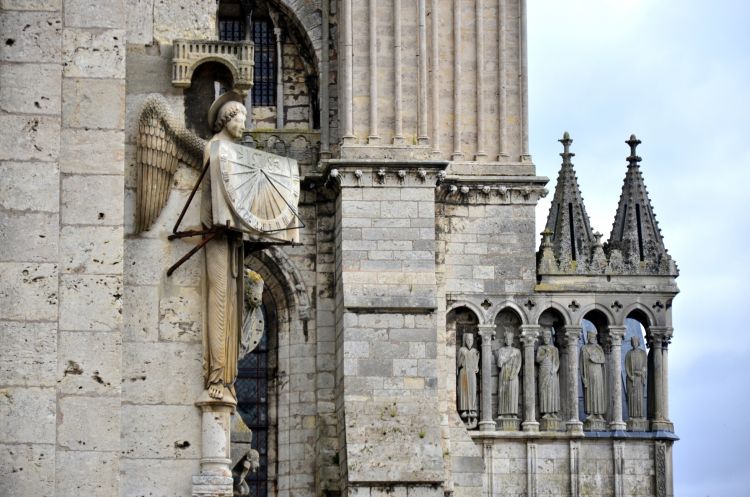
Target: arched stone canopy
(559, 309)
(509, 305)
(478, 312)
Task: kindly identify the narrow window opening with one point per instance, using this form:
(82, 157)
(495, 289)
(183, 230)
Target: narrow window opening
(638, 225)
(264, 80)
(572, 231)
(624, 220)
(556, 213)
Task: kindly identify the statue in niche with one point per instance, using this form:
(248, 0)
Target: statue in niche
(548, 366)
(593, 376)
(466, 386)
(636, 364)
(509, 365)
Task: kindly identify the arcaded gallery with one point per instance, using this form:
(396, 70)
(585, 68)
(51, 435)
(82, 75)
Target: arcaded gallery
(287, 248)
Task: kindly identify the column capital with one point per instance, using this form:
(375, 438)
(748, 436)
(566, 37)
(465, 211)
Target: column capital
(572, 334)
(663, 332)
(529, 334)
(487, 332)
(616, 334)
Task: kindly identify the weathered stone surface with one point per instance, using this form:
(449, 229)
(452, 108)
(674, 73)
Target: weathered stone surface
(148, 72)
(91, 249)
(94, 53)
(31, 186)
(30, 36)
(30, 5)
(29, 138)
(147, 261)
(29, 352)
(157, 477)
(140, 306)
(42, 97)
(140, 21)
(180, 315)
(94, 200)
(88, 151)
(89, 423)
(150, 373)
(89, 363)
(93, 103)
(161, 431)
(29, 236)
(29, 291)
(27, 470)
(29, 415)
(93, 474)
(94, 14)
(191, 19)
(90, 302)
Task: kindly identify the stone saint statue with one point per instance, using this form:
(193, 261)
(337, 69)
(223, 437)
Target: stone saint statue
(593, 376)
(636, 363)
(224, 264)
(548, 365)
(509, 365)
(466, 387)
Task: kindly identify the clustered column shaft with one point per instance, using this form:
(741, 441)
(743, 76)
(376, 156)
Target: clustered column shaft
(529, 334)
(487, 332)
(616, 334)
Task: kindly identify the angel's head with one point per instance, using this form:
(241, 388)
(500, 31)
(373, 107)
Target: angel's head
(228, 112)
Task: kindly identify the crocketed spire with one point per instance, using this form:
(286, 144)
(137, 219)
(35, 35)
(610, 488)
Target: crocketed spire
(571, 238)
(635, 232)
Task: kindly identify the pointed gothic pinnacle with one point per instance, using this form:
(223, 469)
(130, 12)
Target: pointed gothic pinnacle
(633, 159)
(567, 154)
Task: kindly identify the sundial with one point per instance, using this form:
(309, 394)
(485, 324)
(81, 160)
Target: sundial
(261, 189)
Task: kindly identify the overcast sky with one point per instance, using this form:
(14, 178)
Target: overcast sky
(677, 74)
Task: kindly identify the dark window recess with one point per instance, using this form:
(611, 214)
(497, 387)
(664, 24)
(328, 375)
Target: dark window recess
(231, 29)
(264, 81)
(312, 88)
(572, 231)
(252, 405)
(640, 232)
(624, 220)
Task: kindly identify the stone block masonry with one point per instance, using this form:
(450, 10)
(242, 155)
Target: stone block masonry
(62, 88)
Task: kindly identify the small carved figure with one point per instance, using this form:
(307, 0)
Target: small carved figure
(509, 365)
(252, 329)
(250, 462)
(467, 369)
(592, 374)
(548, 361)
(636, 363)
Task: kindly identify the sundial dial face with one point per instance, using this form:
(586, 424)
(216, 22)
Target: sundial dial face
(261, 189)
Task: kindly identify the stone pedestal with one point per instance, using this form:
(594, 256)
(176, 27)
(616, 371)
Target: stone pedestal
(637, 424)
(593, 423)
(508, 423)
(215, 479)
(550, 424)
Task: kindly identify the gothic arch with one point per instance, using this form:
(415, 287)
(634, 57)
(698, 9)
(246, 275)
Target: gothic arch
(602, 309)
(639, 308)
(308, 21)
(478, 312)
(559, 309)
(232, 68)
(509, 304)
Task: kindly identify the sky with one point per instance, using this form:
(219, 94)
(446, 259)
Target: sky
(677, 74)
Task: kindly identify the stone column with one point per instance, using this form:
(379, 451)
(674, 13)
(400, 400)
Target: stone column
(279, 81)
(572, 335)
(215, 479)
(487, 332)
(658, 336)
(616, 334)
(529, 334)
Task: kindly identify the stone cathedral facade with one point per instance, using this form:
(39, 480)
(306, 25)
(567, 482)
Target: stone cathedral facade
(415, 342)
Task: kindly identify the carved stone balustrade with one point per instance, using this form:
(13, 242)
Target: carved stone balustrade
(237, 56)
(301, 145)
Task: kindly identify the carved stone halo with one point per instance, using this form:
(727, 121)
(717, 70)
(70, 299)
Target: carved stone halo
(262, 189)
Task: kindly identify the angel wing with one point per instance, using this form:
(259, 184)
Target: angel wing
(163, 142)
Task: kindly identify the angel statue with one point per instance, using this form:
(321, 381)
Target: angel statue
(250, 196)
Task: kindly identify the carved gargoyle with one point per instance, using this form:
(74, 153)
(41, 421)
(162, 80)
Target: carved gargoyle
(247, 463)
(163, 142)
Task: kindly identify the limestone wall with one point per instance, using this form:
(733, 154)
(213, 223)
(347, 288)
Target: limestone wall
(62, 71)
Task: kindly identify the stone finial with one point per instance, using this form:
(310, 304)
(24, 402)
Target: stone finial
(566, 153)
(633, 158)
(571, 237)
(635, 232)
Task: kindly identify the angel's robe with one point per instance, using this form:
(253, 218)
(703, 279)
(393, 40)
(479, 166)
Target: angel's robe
(636, 364)
(223, 284)
(548, 361)
(509, 363)
(592, 374)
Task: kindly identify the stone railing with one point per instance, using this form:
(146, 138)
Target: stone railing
(237, 56)
(302, 145)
